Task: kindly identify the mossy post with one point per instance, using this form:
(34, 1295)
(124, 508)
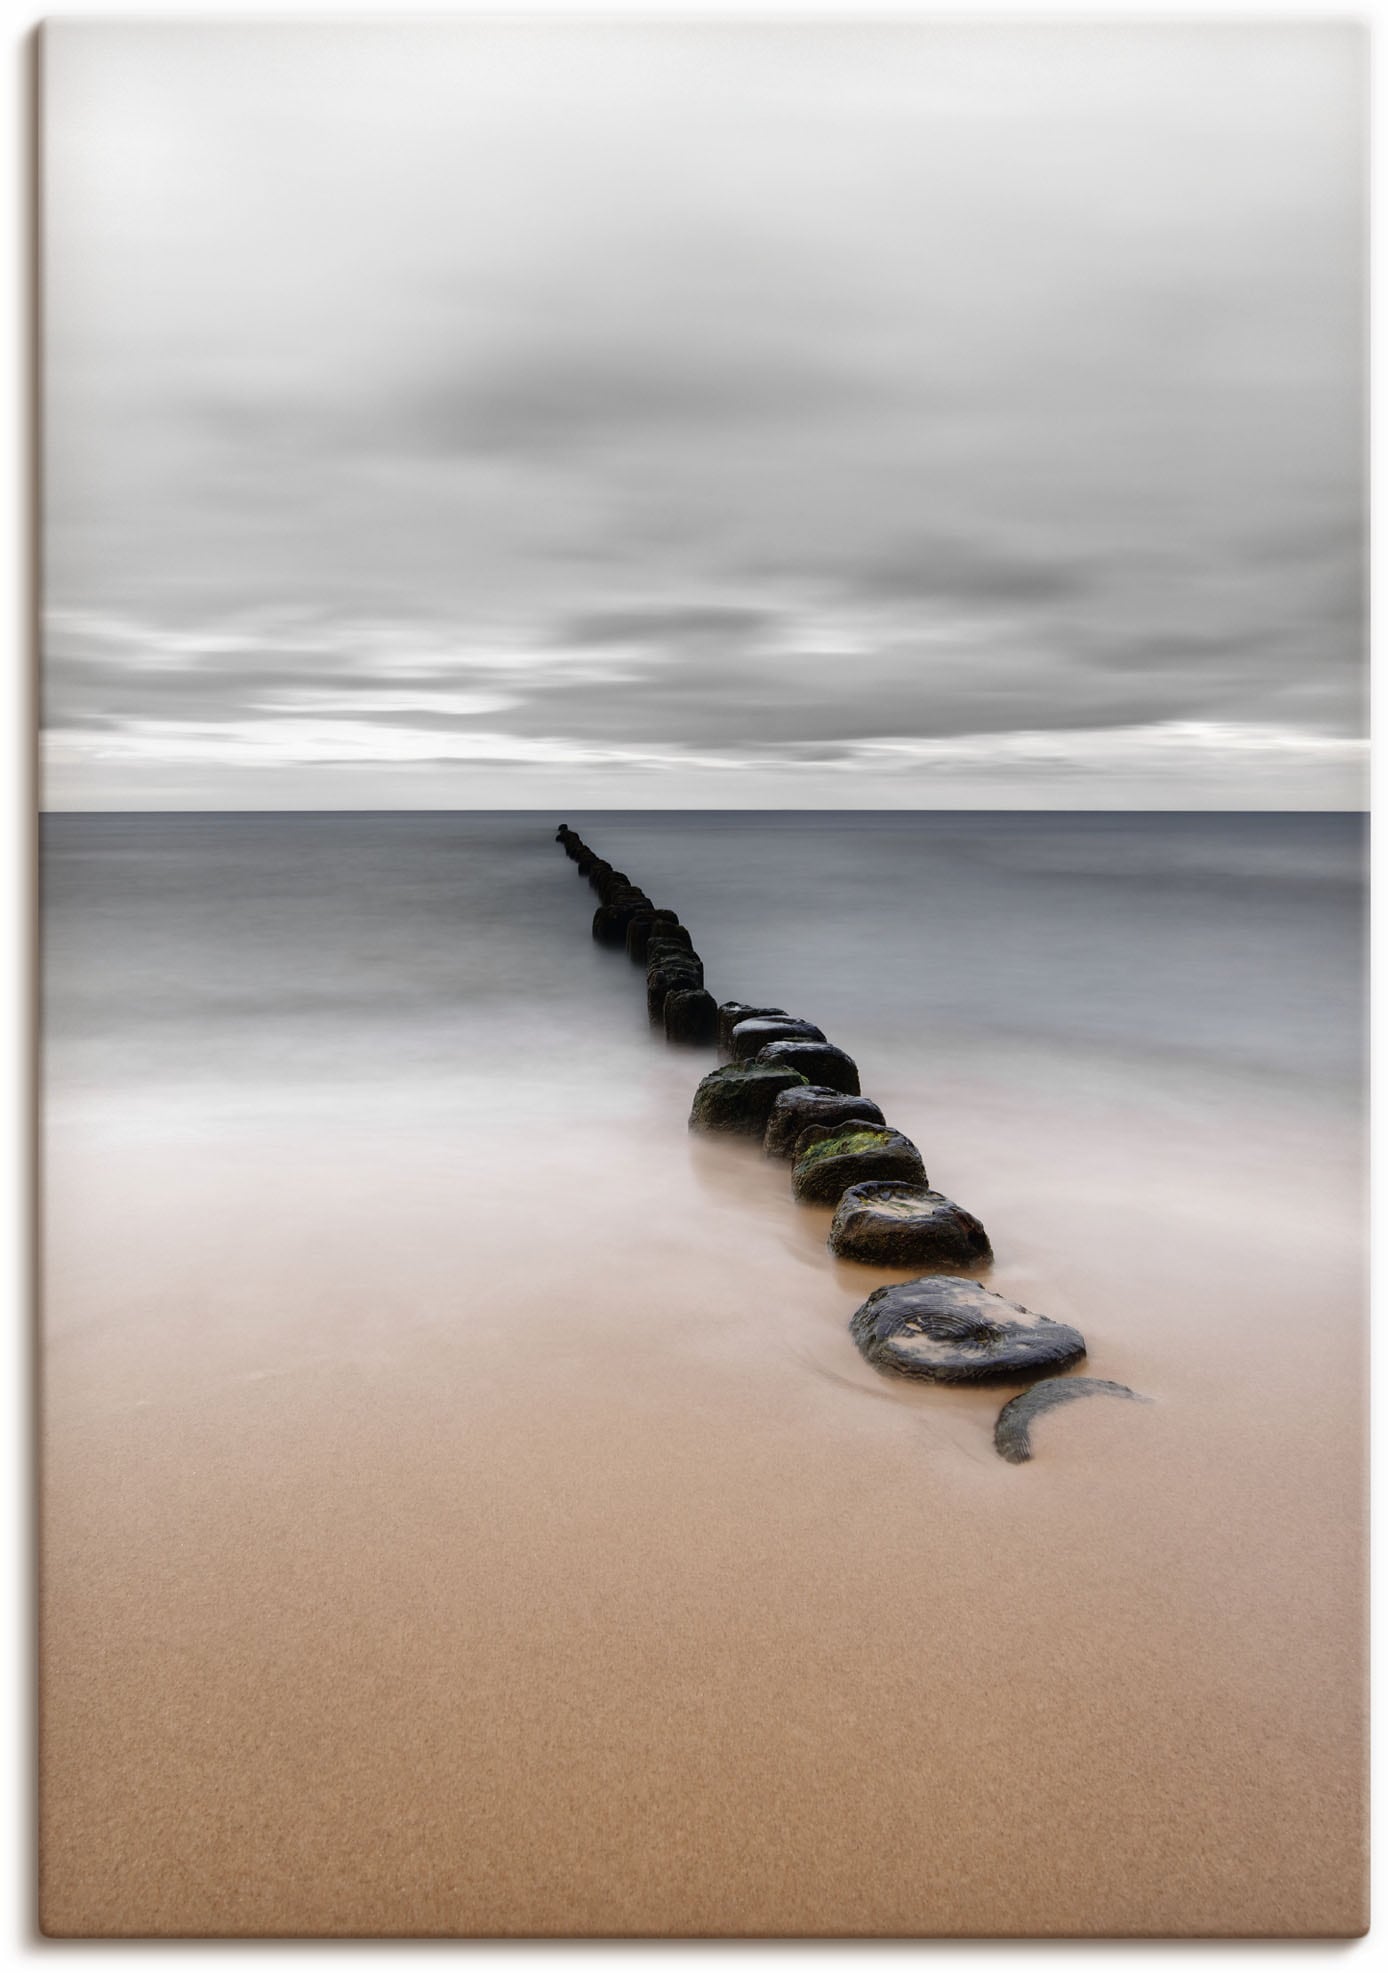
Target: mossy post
(800, 1110)
(884, 1223)
(826, 1066)
(828, 1161)
(738, 1098)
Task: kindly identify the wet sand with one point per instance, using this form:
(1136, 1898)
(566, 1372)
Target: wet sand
(463, 1519)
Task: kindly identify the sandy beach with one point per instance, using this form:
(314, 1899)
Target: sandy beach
(464, 1510)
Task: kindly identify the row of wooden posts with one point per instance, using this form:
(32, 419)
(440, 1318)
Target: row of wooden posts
(785, 1082)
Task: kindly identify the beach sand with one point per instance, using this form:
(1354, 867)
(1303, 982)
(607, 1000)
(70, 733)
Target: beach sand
(635, 1603)
(460, 1518)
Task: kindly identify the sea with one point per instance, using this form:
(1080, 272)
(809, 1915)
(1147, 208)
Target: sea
(1192, 952)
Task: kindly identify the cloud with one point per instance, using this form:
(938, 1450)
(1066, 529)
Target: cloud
(700, 394)
(1202, 764)
(370, 703)
(564, 399)
(970, 570)
(685, 681)
(663, 626)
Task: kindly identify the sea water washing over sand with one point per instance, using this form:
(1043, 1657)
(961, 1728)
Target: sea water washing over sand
(464, 1507)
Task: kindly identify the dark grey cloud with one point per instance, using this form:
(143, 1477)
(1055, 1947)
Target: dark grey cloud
(122, 689)
(964, 570)
(664, 626)
(738, 702)
(562, 401)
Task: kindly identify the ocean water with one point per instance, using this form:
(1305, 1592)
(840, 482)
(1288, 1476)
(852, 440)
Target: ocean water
(366, 948)
(464, 1509)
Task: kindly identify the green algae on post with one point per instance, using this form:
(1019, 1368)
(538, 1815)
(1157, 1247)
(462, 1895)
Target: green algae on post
(835, 1159)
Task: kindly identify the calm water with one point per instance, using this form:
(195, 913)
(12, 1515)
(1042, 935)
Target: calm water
(353, 948)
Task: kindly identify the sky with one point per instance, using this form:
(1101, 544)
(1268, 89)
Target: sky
(445, 414)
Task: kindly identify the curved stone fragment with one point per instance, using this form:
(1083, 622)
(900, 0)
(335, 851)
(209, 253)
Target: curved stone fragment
(953, 1331)
(824, 1064)
(828, 1161)
(738, 1097)
(1012, 1433)
(798, 1109)
(691, 1014)
(749, 1037)
(886, 1224)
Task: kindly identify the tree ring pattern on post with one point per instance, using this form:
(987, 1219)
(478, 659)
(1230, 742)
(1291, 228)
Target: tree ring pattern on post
(950, 1330)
